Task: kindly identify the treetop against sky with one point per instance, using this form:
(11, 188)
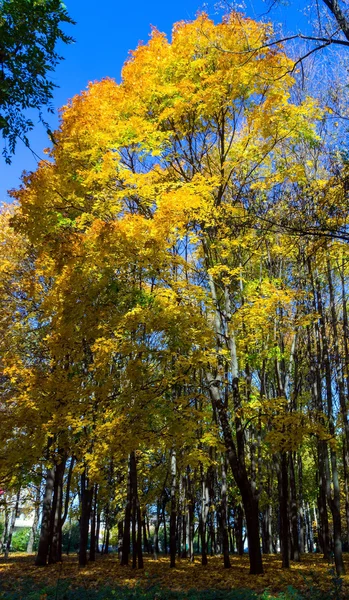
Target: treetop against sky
(103, 39)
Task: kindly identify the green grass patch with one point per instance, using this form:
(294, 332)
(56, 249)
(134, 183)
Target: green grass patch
(27, 589)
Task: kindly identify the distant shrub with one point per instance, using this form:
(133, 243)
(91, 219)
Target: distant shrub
(70, 537)
(20, 538)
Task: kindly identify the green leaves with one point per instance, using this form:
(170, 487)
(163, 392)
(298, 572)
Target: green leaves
(29, 33)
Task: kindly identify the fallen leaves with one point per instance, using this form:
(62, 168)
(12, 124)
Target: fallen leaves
(313, 570)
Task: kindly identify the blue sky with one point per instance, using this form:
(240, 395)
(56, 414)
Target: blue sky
(104, 34)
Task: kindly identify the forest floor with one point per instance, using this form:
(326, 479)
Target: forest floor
(313, 577)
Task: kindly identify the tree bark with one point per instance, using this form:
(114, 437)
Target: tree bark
(12, 524)
(92, 555)
(224, 514)
(55, 551)
(173, 515)
(34, 527)
(86, 501)
(44, 541)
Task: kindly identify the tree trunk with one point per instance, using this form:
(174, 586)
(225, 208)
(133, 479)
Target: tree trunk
(44, 541)
(34, 527)
(127, 521)
(235, 453)
(333, 500)
(156, 530)
(98, 529)
(6, 526)
(223, 516)
(12, 524)
(92, 555)
(284, 512)
(205, 504)
(294, 512)
(86, 501)
(301, 506)
(173, 516)
(237, 465)
(165, 527)
(55, 552)
(120, 539)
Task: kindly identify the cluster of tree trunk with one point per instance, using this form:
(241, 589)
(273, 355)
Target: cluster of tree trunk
(196, 513)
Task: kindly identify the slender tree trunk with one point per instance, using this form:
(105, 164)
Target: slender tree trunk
(55, 552)
(173, 516)
(191, 513)
(34, 527)
(86, 501)
(235, 453)
(98, 529)
(294, 512)
(333, 500)
(139, 535)
(301, 505)
(6, 526)
(12, 524)
(184, 516)
(156, 530)
(309, 528)
(144, 529)
(284, 512)
(239, 522)
(120, 539)
(137, 554)
(165, 527)
(205, 504)
(92, 555)
(237, 465)
(44, 541)
(223, 515)
(127, 521)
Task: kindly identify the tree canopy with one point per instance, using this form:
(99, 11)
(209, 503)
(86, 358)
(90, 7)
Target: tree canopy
(171, 350)
(29, 33)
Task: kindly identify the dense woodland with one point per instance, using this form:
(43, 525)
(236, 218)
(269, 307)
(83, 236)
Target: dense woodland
(173, 311)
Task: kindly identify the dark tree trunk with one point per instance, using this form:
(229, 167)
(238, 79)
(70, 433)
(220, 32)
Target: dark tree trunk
(165, 527)
(284, 512)
(236, 461)
(120, 539)
(173, 515)
(92, 555)
(44, 541)
(126, 544)
(156, 530)
(136, 516)
(301, 506)
(86, 501)
(205, 504)
(333, 500)
(55, 552)
(107, 535)
(98, 529)
(223, 516)
(235, 452)
(266, 531)
(145, 537)
(309, 529)
(239, 521)
(294, 512)
(139, 535)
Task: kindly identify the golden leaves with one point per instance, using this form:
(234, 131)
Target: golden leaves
(312, 571)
